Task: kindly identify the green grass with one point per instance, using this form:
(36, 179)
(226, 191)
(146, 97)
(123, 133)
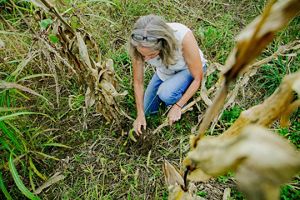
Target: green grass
(290, 192)
(270, 75)
(236, 195)
(104, 163)
(202, 193)
(225, 178)
(230, 115)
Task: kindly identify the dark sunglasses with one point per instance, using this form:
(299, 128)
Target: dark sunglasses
(141, 38)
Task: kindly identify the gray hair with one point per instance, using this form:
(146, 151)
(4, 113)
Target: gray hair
(155, 26)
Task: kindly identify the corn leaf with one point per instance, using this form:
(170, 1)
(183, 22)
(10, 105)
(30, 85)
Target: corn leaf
(83, 51)
(18, 180)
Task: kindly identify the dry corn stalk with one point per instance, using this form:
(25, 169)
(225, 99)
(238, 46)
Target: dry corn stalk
(261, 159)
(175, 184)
(76, 51)
(250, 42)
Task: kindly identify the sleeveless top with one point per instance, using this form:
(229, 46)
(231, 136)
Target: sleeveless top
(162, 71)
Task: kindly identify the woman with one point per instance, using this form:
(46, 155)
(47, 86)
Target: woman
(173, 50)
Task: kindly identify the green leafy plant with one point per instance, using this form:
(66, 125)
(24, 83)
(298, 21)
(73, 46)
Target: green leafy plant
(225, 178)
(232, 114)
(53, 38)
(45, 23)
(202, 193)
(289, 192)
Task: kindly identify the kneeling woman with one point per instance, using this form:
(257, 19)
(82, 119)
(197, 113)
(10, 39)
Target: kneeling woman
(173, 50)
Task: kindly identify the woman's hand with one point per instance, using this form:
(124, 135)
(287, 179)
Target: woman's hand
(174, 114)
(139, 122)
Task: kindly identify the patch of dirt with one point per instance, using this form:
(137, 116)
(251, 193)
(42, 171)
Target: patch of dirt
(214, 190)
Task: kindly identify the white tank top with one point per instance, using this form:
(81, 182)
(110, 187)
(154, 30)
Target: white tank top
(165, 73)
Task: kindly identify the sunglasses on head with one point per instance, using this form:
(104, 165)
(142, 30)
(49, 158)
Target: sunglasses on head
(141, 38)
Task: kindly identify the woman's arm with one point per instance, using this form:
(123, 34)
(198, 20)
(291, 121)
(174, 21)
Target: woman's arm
(138, 84)
(191, 55)
(190, 51)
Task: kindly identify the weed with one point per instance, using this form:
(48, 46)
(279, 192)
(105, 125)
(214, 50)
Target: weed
(236, 195)
(230, 115)
(201, 193)
(211, 80)
(225, 178)
(289, 192)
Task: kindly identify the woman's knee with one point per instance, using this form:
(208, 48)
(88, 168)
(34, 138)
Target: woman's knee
(168, 96)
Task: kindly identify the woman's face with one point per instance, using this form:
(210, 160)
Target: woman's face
(147, 52)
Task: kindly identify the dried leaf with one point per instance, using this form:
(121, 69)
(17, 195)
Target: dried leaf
(108, 87)
(99, 107)
(204, 93)
(52, 180)
(101, 72)
(89, 73)
(83, 52)
(212, 111)
(108, 98)
(172, 175)
(2, 44)
(175, 183)
(110, 65)
(89, 98)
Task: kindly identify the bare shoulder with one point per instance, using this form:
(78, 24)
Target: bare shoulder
(189, 39)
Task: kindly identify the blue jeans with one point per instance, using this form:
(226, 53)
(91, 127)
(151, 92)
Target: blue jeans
(169, 91)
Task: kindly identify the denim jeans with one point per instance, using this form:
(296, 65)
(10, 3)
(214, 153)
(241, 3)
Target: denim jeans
(169, 91)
